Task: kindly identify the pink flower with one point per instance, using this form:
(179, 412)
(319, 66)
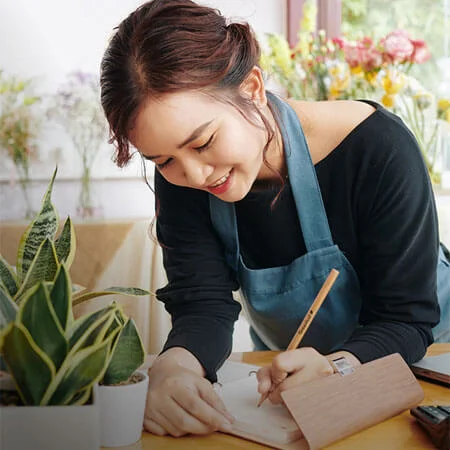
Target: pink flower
(352, 51)
(363, 54)
(397, 47)
(372, 60)
(420, 53)
(338, 42)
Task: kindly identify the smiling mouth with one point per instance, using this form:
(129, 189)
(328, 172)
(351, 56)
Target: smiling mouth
(220, 181)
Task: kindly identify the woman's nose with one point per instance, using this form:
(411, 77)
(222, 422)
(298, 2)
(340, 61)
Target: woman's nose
(196, 172)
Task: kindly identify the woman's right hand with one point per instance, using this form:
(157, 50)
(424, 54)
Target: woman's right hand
(180, 401)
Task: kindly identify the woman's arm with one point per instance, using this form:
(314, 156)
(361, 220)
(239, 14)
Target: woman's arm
(398, 241)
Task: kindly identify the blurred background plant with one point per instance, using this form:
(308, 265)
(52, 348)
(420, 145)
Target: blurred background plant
(76, 107)
(319, 68)
(20, 125)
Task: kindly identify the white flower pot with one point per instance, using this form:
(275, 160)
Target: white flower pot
(49, 427)
(122, 413)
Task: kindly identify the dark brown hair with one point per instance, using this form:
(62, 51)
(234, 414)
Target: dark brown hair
(166, 46)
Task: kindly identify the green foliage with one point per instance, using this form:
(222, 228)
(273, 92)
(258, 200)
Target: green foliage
(53, 358)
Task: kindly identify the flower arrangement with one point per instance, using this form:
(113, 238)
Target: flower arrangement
(19, 128)
(319, 68)
(76, 106)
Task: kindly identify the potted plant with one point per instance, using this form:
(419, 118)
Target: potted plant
(123, 389)
(55, 362)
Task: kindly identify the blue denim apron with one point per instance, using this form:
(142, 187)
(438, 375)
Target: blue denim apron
(276, 299)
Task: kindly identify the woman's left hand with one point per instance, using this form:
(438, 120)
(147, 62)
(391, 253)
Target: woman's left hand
(292, 368)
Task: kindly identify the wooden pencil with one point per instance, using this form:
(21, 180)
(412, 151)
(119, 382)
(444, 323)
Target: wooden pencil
(307, 320)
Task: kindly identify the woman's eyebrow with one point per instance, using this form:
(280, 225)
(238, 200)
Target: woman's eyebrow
(150, 158)
(195, 134)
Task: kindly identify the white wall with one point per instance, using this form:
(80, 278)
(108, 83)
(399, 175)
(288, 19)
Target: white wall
(45, 40)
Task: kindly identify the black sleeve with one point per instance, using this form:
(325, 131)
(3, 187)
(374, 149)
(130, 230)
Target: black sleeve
(198, 295)
(398, 241)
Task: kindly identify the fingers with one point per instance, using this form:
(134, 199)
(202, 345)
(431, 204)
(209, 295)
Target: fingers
(153, 427)
(290, 369)
(210, 396)
(188, 406)
(309, 373)
(264, 380)
(204, 411)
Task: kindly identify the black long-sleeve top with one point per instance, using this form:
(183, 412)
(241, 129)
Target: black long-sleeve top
(381, 212)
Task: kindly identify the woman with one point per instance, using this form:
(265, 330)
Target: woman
(268, 196)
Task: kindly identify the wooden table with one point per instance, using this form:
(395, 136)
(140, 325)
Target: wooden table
(401, 432)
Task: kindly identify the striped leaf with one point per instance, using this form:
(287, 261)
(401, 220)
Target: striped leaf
(8, 277)
(39, 318)
(90, 328)
(8, 311)
(81, 372)
(81, 397)
(43, 226)
(84, 295)
(66, 244)
(43, 268)
(31, 369)
(61, 298)
(128, 355)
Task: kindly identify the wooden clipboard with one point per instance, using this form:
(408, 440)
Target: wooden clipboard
(328, 409)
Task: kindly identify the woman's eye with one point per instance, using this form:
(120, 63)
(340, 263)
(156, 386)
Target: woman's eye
(161, 166)
(206, 145)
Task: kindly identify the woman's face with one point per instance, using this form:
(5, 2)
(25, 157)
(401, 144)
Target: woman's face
(202, 143)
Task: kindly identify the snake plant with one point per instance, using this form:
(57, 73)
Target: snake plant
(53, 358)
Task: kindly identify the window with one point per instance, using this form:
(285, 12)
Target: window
(423, 19)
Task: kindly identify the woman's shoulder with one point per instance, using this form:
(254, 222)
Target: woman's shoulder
(327, 123)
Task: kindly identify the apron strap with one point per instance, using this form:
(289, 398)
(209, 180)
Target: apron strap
(302, 177)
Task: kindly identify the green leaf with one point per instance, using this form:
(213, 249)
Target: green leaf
(61, 298)
(8, 277)
(86, 368)
(91, 327)
(81, 397)
(39, 318)
(66, 244)
(30, 368)
(43, 267)
(44, 226)
(8, 311)
(128, 355)
(81, 297)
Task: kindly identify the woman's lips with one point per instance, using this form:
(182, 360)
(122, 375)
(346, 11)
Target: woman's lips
(223, 186)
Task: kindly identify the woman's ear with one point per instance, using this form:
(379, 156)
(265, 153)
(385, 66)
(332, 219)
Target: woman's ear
(253, 87)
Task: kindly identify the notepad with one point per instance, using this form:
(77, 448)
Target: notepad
(270, 424)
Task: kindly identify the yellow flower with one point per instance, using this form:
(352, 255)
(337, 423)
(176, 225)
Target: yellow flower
(443, 104)
(371, 77)
(447, 115)
(308, 23)
(302, 46)
(357, 70)
(388, 100)
(281, 53)
(393, 82)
